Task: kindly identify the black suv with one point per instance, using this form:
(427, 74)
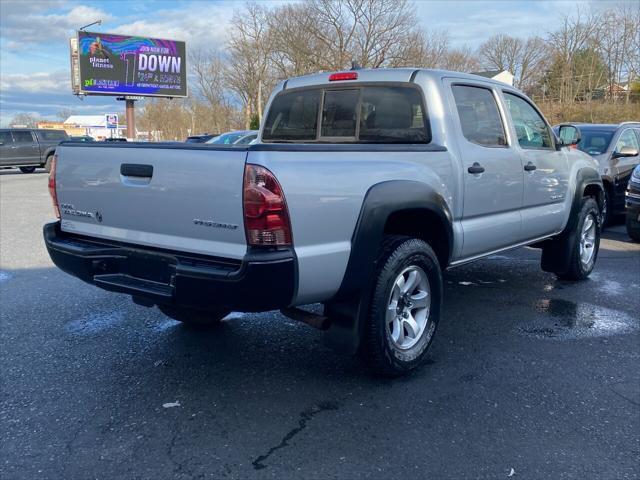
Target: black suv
(615, 147)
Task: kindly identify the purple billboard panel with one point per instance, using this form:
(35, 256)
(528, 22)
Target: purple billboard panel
(113, 64)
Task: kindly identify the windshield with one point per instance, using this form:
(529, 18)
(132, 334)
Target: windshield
(227, 138)
(595, 142)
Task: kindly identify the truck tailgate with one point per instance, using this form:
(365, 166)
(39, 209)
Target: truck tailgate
(185, 198)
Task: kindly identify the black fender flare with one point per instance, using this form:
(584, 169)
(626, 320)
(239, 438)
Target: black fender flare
(348, 307)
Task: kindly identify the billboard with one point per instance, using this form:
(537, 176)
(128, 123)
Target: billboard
(111, 64)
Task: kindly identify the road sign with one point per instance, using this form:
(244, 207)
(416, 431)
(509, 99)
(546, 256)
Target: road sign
(112, 120)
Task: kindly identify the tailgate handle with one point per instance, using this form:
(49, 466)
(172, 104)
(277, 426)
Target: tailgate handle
(136, 170)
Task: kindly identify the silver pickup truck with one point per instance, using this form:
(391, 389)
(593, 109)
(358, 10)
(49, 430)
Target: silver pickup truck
(364, 187)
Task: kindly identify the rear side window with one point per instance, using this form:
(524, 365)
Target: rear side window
(393, 115)
(366, 114)
(532, 130)
(22, 136)
(5, 137)
(479, 116)
(52, 135)
(293, 116)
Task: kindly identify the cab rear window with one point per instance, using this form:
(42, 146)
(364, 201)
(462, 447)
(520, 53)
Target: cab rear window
(365, 114)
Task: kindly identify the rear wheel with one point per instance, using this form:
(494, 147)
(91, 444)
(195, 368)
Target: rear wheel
(27, 169)
(405, 306)
(191, 316)
(47, 165)
(633, 224)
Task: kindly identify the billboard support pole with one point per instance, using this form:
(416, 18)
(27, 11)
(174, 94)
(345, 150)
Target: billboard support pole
(130, 118)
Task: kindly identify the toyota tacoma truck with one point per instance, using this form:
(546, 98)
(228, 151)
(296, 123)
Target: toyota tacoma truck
(364, 187)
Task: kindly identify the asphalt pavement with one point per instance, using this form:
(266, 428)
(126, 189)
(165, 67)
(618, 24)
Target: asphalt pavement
(529, 377)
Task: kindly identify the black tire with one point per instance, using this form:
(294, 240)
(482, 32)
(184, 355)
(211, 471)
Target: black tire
(633, 226)
(47, 164)
(27, 169)
(576, 268)
(378, 349)
(191, 316)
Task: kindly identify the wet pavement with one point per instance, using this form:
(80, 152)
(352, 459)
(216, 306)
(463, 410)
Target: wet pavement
(529, 377)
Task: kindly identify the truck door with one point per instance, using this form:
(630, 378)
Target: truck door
(492, 171)
(26, 150)
(546, 170)
(7, 152)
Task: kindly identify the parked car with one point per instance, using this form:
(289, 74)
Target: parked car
(240, 137)
(29, 148)
(633, 205)
(381, 197)
(82, 138)
(200, 138)
(615, 147)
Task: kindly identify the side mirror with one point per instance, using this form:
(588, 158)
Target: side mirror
(568, 135)
(625, 152)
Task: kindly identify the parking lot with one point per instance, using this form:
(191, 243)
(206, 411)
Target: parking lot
(529, 377)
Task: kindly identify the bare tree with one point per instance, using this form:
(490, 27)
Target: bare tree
(575, 35)
(208, 70)
(426, 49)
(461, 60)
(29, 120)
(248, 72)
(520, 57)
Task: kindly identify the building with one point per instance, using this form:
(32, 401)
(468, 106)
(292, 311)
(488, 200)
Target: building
(72, 130)
(504, 76)
(95, 126)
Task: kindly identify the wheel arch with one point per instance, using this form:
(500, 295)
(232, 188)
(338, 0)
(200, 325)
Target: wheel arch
(398, 207)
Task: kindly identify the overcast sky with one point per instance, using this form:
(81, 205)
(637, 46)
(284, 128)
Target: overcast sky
(34, 48)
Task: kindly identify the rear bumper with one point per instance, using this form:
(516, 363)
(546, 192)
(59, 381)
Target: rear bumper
(263, 280)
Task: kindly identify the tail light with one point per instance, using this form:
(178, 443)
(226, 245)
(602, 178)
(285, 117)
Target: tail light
(52, 186)
(266, 218)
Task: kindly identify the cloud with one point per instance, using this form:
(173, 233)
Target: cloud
(27, 25)
(202, 25)
(55, 82)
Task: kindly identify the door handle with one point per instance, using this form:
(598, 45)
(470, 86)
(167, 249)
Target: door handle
(530, 167)
(475, 168)
(136, 170)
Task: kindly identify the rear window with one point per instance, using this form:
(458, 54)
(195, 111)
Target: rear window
(367, 114)
(52, 135)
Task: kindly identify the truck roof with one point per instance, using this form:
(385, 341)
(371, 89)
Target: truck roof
(383, 75)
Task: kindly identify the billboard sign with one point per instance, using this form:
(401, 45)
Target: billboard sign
(111, 120)
(111, 64)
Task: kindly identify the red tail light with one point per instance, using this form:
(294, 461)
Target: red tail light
(343, 76)
(266, 218)
(52, 186)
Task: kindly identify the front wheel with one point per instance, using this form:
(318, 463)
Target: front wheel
(583, 243)
(405, 306)
(191, 316)
(27, 169)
